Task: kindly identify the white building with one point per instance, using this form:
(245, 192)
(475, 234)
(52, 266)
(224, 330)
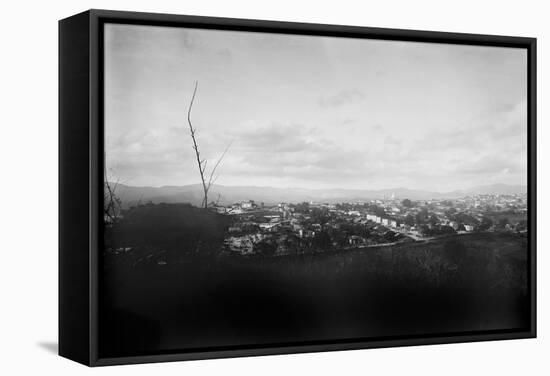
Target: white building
(247, 204)
(269, 226)
(371, 217)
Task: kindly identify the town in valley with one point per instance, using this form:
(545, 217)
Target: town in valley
(293, 228)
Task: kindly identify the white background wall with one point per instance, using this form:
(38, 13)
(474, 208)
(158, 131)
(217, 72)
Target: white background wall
(28, 197)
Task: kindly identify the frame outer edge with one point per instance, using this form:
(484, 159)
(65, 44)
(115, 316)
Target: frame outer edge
(532, 180)
(95, 165)
(96, 16)
(74, 216)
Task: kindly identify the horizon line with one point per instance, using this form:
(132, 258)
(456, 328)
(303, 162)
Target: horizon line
(522, 186)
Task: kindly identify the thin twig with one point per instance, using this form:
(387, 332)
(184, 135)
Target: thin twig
(217, 164)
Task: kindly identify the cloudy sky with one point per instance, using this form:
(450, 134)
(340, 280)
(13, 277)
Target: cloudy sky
(313, 112)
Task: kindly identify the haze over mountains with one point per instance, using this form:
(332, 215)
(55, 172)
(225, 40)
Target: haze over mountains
(270, 195)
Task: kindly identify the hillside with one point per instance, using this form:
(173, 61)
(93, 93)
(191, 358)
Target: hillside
(271, 195)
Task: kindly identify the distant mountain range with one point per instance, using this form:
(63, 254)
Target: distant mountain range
(269, 195)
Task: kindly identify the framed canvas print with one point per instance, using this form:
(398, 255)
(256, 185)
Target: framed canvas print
(235, 187)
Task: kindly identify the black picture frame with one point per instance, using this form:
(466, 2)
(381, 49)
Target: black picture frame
(81, 182)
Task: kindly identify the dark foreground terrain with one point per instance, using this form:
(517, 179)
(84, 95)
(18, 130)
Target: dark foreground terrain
(164, 288)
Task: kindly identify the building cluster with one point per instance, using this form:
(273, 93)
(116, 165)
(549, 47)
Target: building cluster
(312, 227)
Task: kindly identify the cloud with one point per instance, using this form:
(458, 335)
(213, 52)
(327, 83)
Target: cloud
(440, 120)
(341, 98)
(154, 40)
(392, 141)
(490, 164)
(503, 132)
(274, 138)
(348, 121)
(225, 54)
(293, 151)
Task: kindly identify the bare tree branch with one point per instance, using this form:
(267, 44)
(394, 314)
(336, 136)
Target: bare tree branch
(217, 164)
(201, 163)
(216, 178)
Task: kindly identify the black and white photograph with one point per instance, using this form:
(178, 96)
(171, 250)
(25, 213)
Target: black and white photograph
(273, 188)
(267, 189)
